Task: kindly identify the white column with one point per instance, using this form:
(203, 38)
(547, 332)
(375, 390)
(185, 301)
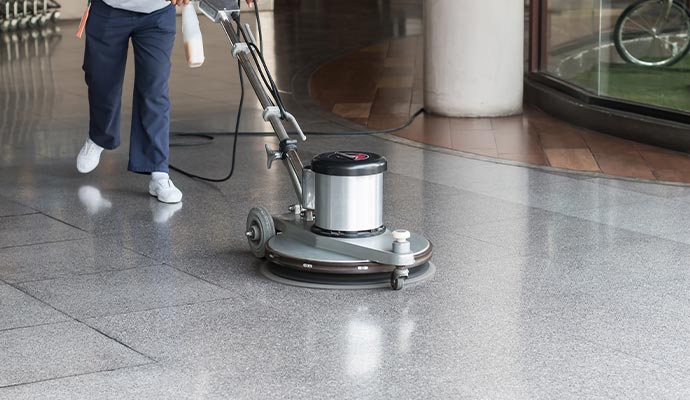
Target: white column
(474, 57)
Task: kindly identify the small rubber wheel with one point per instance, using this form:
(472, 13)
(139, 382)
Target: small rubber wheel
(260, 229)
(5, 26)
(397, 283)
(55, 16)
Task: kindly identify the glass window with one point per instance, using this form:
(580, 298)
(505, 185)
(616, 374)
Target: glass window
(627, 49)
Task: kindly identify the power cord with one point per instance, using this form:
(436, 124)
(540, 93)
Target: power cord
(271, 86)
(210, 135)
(234, 144)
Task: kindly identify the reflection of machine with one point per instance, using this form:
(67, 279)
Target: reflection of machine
(334, 235)
(653, 33)
(20, 14)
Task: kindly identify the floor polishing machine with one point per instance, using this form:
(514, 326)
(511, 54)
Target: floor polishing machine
(334, 235)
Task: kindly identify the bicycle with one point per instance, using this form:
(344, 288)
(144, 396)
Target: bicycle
(653, 33)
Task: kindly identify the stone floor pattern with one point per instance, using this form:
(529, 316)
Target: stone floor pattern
(549, 285)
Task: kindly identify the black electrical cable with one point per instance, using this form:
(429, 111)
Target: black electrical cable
(206, 135)
(258, 26)
(261, 67)
(234, 145)
(273, 89)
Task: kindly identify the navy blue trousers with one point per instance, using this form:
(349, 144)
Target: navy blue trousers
(108, 33)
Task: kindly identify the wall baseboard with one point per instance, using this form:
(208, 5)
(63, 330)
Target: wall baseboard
(627, 125)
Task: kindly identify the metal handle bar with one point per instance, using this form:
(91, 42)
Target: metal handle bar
(223, 12)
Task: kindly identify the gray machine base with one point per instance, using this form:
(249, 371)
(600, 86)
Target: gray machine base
(288, 276)
(296, 245)
(295, 263)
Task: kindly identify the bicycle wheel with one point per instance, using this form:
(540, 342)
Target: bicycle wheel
(643, 36)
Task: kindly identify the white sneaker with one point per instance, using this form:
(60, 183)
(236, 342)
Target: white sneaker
(165, 191)
(89, 157)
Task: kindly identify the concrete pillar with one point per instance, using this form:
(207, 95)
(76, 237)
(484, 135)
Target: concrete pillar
(474, 57)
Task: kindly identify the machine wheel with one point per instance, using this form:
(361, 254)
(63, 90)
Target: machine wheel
(4, 25)
(55, 16)
(398, 278)
(397, 283)
(260, 229)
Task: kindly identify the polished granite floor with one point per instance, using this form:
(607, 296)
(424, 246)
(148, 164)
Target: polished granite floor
(549, 285)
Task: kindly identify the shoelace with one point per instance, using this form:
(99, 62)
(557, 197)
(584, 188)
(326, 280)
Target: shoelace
(165, 184)
(90, 149)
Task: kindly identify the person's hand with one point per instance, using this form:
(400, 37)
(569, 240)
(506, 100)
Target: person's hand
(250, 3)
(179, 2)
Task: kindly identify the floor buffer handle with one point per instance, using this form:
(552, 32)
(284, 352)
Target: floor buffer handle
(225, 13)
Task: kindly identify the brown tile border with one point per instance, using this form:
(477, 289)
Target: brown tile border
(381, 86)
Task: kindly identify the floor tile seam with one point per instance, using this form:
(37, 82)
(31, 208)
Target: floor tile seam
(135, 251)
(39, 243)
(57, 378)
(496, 161)
(626, 230)
(68, 276)
(531, 209)
(673, 197)
(572, 285)
(16, 328)
(621, 204)
(468, 236)
(72, 319)
(169, 264)
(121, 343)
(161, 308)
(20, 214)
(667, 367)
(20, 204)
(67, 223)
(466, 191)
(631, 191)
(19, 288)
(51, 158)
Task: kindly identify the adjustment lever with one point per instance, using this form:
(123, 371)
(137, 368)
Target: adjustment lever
(273, 155)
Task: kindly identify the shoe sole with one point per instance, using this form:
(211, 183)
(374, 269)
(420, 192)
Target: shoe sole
(163, 201)
(86, 171)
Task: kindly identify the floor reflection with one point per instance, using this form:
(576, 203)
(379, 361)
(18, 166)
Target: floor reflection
(92, 199)
(162, 212)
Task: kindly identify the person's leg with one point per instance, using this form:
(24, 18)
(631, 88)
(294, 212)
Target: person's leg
(105, 59)
(153, 41)
(149, 148)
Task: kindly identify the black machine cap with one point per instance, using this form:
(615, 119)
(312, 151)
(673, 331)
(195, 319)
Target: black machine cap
(349, 163)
